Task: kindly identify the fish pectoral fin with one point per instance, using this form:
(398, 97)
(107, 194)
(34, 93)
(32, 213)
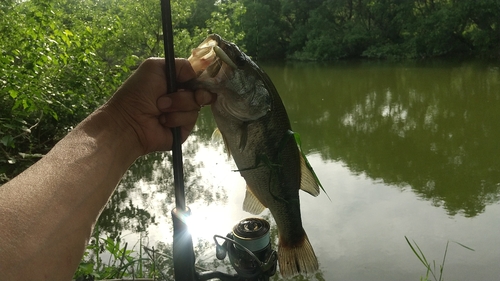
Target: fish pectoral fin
(218, 138)
(252, 204)
(308, 182)
(244, 136)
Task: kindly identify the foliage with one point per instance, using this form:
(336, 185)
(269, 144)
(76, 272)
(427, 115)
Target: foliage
(263, 29)
(60, 60)
(328, 30)
(431, 268)
(225, 21)
(51, 79)
(121, 262)
(108, 258)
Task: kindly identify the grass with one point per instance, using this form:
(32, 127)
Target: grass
(432, 269)
(109, 258)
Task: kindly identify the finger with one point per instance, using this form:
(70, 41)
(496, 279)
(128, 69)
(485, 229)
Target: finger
(184, 71)
(204, 97)
(154, 66)
(163, 103)
(178, 119)
(180, 101)
(186, 131)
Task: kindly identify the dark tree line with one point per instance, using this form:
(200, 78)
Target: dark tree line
(334, 29)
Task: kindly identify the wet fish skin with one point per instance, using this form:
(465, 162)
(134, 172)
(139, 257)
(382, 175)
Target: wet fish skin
(255, 126)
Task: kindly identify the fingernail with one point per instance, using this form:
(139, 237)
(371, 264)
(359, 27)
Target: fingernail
(164, 103)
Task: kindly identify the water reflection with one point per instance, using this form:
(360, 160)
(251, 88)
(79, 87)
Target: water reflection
(148, 186)
(432, 127)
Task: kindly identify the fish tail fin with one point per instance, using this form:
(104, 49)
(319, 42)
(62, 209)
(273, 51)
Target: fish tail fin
(295, 259)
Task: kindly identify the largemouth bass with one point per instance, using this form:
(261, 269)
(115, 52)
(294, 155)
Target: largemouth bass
(256, 130)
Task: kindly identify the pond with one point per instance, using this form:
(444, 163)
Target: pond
(401, 148)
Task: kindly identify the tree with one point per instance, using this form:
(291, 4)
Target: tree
(49, 72)
(264, 29)
(61, 60)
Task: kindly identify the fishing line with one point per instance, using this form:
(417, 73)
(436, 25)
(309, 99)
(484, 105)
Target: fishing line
(258, 33)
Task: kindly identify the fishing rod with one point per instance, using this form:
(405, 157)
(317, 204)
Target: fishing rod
(248, 245)
(183, 253)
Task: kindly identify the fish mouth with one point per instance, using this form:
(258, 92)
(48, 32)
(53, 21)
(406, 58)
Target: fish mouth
(210, 56)
(222, 68)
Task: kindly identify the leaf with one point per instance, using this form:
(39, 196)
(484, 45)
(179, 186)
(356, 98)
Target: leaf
(54, 115)
(460, 244)
(13, 93)
(422, 259)
(8, 141)
(25, 104)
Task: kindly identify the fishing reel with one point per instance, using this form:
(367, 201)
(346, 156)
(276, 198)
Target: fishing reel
(249, 249)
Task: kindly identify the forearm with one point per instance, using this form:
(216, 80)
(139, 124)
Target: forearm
(48, 212)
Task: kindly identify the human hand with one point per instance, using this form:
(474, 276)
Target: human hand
(142, 103)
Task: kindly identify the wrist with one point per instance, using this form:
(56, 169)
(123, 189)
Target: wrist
(112, 129)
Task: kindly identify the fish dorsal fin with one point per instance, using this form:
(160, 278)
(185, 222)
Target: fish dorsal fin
(218, 138)
(251, 204)
(308, 182)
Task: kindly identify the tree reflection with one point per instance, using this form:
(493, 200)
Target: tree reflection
(422, 125)
(121, 213)
(151, 176)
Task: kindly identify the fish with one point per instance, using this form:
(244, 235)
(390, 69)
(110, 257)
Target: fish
(256, 129)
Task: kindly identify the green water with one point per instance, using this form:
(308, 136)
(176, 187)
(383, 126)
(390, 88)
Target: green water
(432, 127)
(402, 149)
